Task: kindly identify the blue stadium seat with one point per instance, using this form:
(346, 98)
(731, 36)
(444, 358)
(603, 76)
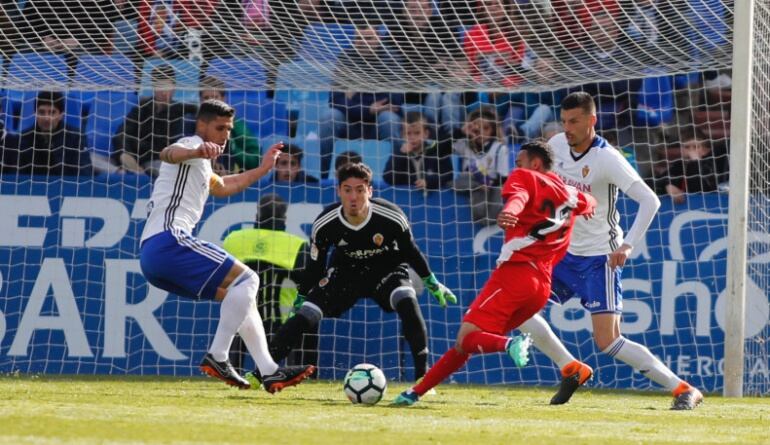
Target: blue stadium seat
(238, 73)
(374, 152)
(655, 105)
(324, 41)
(264, 117)
(300, 81)
(111, 71)
(109, 112)
(187, 74)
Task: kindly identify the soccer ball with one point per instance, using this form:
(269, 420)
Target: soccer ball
(365, 383)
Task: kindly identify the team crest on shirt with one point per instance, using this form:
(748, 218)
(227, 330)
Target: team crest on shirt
(324, 281)
(378, 239)
(585, 171)
(313, 252)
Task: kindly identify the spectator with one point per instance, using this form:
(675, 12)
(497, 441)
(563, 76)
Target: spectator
(243, 148)
(69, 26)
(420, 162)
(355, 115)
(696, 170)
(49, 147)
(157, 29)
(347, 157)
(428, 50)
(151, 126)
(485, 164)
(288, 166)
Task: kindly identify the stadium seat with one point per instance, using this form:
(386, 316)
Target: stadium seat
(187, 74)
(301, 81)
(655, 104)
(324, 41)
(374, 152)
(109, 111)
(238, 73)
(264, 117)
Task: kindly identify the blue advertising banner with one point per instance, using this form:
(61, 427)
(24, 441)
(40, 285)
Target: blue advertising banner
(73, 300)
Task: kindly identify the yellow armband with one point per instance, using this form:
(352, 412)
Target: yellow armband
(216, 181)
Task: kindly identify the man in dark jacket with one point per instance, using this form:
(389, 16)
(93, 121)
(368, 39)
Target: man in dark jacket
(151, 126)
(48, 147)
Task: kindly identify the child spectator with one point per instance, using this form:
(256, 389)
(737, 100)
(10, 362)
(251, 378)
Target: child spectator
(288, 166)
(420, 162)
(485, 164)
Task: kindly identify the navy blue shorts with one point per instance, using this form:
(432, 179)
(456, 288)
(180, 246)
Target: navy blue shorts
(177, 262)
(592, 280)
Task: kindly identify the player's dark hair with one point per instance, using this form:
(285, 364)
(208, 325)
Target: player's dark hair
(52, 98)
(293, 150)
(354, 170)
(579, 99)
(212, 109)
(271, 213)
(346, 157)
(541, 150)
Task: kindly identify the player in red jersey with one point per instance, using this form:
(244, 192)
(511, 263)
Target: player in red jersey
(537, 218)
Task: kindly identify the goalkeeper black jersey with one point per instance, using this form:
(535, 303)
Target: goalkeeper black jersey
(367, 251)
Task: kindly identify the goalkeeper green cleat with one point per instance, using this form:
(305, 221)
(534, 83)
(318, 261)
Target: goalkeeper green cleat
(406, 398)
(518, 349)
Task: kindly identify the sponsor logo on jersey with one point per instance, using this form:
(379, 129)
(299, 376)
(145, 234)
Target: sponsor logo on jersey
(378, 239)
(586, 170)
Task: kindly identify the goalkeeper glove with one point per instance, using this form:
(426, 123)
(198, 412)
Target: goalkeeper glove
(441, 293)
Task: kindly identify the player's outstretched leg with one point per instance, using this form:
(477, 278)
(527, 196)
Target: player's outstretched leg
(223, 371)
(286, 376)
(573, 376)
(686, 397)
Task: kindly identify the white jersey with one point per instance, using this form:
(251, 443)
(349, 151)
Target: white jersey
(600, 171)
(179, 193)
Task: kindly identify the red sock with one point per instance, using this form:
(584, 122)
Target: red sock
(480, 342)
(450, 362)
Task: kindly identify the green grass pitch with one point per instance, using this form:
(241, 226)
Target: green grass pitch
(95, 410)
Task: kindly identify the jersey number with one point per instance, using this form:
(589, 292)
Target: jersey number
(558, 219)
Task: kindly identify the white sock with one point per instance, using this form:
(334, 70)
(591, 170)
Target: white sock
(234, 309)
(252, 331)
(641, 359)
(546, 341)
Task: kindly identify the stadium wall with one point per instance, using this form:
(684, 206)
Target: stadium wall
(72, 299)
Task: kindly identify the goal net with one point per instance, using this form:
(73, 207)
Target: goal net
(93, 90)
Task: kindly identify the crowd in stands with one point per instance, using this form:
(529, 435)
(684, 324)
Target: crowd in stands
(465, 141)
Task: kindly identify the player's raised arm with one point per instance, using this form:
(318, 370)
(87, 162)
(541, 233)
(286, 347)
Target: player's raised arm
(232, 184)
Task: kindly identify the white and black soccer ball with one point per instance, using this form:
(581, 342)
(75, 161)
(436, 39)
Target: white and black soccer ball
(365, 384)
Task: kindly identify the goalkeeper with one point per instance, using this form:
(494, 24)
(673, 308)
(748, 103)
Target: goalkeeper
(361, 247)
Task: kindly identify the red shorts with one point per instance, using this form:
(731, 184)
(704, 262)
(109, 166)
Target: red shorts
(512, 295)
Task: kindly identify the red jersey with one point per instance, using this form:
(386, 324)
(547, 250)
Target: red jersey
(546, 208)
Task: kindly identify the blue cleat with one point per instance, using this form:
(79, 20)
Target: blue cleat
(518, 349)
(406, 398)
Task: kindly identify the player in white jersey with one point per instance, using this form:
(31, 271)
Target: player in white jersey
(592, 268)
(174, 260)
